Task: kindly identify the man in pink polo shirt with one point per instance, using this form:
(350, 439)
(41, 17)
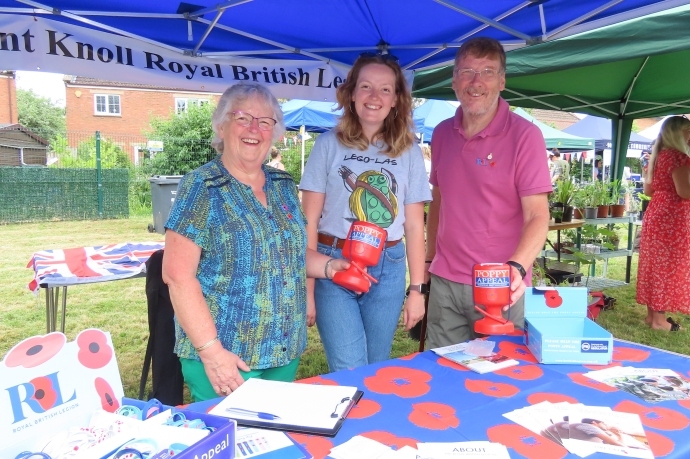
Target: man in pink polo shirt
(490, 185)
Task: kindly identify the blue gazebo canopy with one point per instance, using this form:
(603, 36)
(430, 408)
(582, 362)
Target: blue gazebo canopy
(314, 116)
(432, 112)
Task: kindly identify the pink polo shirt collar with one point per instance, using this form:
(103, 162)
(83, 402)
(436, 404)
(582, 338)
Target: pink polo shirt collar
(497, 125)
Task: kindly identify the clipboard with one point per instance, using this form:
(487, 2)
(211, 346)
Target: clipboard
(292, 407)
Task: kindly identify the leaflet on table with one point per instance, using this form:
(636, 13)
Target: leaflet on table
(359, 447)
(267, 444)
(456, 353)
(650, 384)
(289, 406)
(609, 432)
(465, 450)
(585, 430)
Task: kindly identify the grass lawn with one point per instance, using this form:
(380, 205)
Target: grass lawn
(120, 307)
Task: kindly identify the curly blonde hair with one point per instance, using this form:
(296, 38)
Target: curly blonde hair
(396, 131)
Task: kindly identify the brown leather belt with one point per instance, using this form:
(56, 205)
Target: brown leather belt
(339, 243)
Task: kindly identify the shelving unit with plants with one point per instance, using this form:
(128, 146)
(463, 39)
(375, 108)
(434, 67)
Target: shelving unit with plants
(600, 232)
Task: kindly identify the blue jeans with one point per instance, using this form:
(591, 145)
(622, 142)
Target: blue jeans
(358, 329)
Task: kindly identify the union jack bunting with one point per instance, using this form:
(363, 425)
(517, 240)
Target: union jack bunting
(90, 264)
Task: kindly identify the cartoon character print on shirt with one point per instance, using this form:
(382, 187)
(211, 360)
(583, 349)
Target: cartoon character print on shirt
(373, 197)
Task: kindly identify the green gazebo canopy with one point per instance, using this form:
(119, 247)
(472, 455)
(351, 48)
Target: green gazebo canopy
(634, 69)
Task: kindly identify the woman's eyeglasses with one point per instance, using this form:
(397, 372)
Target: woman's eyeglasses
(245, 119)
(383, 57)
(486, 74)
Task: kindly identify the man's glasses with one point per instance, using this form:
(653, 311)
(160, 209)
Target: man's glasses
(383, 57)
(486, 74)
(245, 119)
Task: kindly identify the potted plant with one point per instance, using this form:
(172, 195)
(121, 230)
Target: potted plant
(564, 195)
(615, 188)
(602, 199)
(578, 201)
(590, 200)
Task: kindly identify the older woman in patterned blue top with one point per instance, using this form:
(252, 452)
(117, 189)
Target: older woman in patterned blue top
(236, 255)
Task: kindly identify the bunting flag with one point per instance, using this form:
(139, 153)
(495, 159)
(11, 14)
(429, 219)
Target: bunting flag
(90, 264)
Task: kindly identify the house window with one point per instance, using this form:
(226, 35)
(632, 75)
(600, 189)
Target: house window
(181, 104)
(107, 104)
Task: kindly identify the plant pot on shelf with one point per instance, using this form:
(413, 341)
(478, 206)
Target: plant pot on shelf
(577, 214)
(590, 212)
(602, 211)
(618, 210)
(567, 214)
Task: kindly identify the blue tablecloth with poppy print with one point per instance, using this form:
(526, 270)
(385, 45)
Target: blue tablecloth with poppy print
(422, 397)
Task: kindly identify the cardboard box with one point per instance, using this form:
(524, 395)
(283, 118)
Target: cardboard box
(557, 329)
(48, 385)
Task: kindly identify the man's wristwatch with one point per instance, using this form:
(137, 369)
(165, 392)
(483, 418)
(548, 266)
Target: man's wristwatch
(421, 288)
(517, 266)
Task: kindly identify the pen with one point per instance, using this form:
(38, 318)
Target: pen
(258, 414)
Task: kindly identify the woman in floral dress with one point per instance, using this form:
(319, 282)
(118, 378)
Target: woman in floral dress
(663, 277)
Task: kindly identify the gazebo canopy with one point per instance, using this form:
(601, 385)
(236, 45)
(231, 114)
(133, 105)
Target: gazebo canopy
(558, 139)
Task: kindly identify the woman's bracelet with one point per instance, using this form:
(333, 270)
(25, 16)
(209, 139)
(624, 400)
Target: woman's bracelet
(207, 345)
(325, 268)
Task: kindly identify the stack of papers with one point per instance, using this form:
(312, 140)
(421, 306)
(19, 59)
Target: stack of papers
(585, 430)
(486, 364)
(650, 384)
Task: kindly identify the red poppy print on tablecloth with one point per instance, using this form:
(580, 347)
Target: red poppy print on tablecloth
(521, 372)
(491, 388)
(655, 417)
(36, 350)
(44, 393)
(363, 409)
(629, 354)
(659, 444)
(515, 351)
(108, 401)
(450, 364)
(389, 439)
(317, 380)
(539, 397)
(401, 381)
(434, 416)
(319, 447)
(525, 442)
(684, 403)
(409, 357)
(582, 380)
(94, 350)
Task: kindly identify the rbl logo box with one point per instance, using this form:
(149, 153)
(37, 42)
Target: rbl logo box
(557, 329)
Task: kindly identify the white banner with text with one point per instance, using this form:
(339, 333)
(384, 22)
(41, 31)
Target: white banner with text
(38, 44)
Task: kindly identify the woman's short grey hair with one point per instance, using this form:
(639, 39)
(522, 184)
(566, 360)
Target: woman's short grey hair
(237, 94)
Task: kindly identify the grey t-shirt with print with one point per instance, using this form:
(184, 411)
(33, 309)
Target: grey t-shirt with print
(364, 185)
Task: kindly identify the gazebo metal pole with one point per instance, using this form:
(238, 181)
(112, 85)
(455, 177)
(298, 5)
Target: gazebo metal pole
(302, 131)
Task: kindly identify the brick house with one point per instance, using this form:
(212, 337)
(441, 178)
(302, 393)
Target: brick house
(8, 98)
(122, 111)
